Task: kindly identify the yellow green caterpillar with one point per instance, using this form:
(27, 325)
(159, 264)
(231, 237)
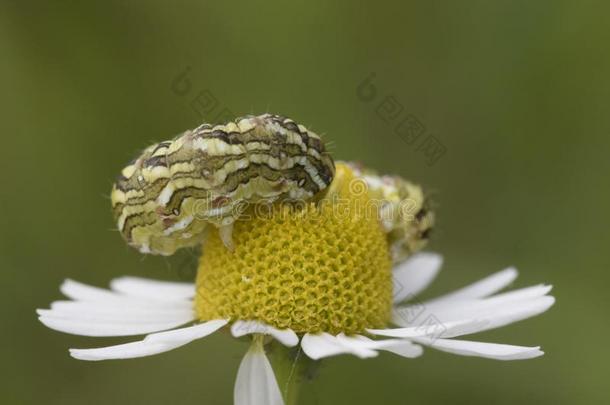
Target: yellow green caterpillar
(166, 198)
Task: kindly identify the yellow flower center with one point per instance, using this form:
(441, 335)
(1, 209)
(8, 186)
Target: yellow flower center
(322, 267)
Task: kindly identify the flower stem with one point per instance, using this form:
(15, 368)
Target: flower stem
(290, 366)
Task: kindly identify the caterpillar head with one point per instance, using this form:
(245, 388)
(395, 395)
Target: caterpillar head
(138, 202)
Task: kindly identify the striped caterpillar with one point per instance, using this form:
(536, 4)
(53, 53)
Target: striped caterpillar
(165, 199)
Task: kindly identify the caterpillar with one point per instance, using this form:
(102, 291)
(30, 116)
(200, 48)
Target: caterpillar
(402, 208)
(166, 198)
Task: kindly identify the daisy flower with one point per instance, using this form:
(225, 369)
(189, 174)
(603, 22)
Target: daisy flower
(324, 280)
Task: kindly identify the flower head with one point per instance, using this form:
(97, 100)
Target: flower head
(323, 267)
(329, 275)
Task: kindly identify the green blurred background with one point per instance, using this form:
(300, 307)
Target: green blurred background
(514, 90)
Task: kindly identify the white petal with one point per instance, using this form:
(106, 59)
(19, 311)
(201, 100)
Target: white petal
(415, 274)
(517, 312)
(86, 293)
(480, 349)
(153, 289)
(136, 308)
(151, 344)
(448, 310)
(103, 313)
(434, 329)
(317, 346)
(490, 313)
(109, 318)
(484, 287)
(100, 328)
(401, 347)
(125, 351)
(285, 336)
(83, 292)
(521, 294)
(256, 383)
(191, 333)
